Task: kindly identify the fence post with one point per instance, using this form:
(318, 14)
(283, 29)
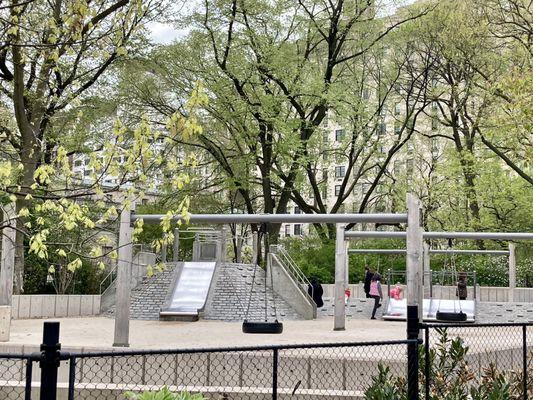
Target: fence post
(413, 329)
(524, 359)
(427, 371)
(275, 375)
(50, 358)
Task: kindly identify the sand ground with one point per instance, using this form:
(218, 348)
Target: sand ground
(97, 332)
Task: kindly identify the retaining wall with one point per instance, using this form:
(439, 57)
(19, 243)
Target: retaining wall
(484, 293)
(51, 306)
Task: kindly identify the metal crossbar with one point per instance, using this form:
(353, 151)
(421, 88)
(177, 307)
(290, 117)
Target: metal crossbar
(277, 218)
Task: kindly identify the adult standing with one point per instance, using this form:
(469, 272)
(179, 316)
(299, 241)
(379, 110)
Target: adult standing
(376, 293)
(368, 279)
(316, 291)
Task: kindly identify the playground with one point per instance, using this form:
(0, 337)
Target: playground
(227, 328)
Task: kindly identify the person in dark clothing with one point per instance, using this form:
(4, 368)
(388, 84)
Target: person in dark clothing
(316, 291)
(462, 292)
(368, 279)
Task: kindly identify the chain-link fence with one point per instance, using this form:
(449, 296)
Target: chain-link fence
(478, 360)
(15, 376)
(455, 361)
(343, 370)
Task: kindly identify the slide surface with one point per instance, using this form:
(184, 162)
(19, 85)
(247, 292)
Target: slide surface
(191, 289)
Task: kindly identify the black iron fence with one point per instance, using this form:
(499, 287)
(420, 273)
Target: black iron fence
(469, 359)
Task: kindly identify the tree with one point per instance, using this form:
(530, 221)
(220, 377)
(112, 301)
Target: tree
(273, 72)
(55, 60)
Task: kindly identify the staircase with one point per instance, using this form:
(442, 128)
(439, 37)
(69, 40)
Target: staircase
(149, 295)
(229, 296)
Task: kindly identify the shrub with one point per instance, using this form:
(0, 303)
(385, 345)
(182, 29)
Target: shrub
(163, 394)
(451, 377)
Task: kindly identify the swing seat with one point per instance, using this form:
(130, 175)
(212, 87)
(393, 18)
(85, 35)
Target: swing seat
(451, 316)
(273, 327)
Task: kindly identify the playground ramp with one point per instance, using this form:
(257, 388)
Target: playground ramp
(397, 309)
(190, 290)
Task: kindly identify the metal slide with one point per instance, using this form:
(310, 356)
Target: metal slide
(397, 309)
(190, 291)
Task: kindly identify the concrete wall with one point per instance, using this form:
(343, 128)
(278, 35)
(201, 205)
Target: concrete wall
(288, 290)
(138, 266)
(50, 306)
(484, 293)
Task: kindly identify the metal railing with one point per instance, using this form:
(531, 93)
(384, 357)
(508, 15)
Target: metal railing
(108, 280)
(293, 270)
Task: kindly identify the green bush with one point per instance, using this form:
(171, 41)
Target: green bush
(163, 394)
(317, 259)
(451, 377)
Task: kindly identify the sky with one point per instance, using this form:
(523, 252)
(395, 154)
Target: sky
(165, 33)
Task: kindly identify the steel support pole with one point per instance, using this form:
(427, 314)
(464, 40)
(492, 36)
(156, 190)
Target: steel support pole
(176, 246)
(123, 291)
(340, 279)
(512, 271)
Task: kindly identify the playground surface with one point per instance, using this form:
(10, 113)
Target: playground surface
(97, 332)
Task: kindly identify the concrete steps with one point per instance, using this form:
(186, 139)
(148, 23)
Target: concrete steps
(149, 295)
(229, 296)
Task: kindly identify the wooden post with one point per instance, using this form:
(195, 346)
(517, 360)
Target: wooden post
(164, 249)
(414, 254)
(255, 247)
(426, 279)
(221, 247)
(238, 255)
(8, 255)
(123, 291)
(340, 279)
(176, 246)
(7, 266)
(512, 271)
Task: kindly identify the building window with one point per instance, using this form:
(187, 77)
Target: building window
(339, 135)
(297, 210)
(87, 172)
(337, 190)
(325, 137)
(287, 230)
(366, 94)
(382, 129)
(434, 124)
(340, 171)
(297, 230)
(77, 163)
(397, 128)
(397, 109)
(397, 167)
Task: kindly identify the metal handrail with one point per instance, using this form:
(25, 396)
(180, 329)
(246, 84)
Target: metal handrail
(293, 270)
(110, 273)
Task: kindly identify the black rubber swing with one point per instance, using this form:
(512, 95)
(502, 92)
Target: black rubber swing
(447, 316)
(262, 327)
